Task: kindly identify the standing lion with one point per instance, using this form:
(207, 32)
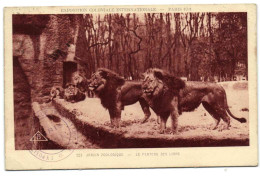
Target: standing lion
(115, 93)
(162, 94)
(168, 95)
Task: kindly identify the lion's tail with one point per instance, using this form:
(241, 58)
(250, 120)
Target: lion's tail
(241, 120)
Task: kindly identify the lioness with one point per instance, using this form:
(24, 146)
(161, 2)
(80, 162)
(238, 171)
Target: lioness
(169, 95)
(73, 94)
(56, 92)
(115, 93)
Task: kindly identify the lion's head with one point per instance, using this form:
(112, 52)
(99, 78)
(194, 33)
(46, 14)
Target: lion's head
(157, 81)
(70, 92)
(80, 81)
(102, 77)
(56, 92)
(77, 78)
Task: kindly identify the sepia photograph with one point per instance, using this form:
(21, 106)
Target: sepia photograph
(131, 80)
(161, 79)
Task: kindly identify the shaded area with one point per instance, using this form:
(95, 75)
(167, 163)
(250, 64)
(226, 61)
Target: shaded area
(29, 24)
(22, 107)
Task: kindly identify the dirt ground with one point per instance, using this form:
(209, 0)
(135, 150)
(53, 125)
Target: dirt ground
(192, 125)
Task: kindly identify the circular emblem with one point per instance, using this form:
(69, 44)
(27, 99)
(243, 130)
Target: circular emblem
(55, 127)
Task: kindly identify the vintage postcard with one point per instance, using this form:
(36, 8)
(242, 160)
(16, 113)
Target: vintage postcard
(130, 86)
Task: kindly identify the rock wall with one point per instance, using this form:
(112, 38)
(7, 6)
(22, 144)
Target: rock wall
(22, 107)
(40, 44)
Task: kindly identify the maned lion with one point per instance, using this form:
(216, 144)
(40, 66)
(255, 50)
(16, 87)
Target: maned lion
(115, 93)
(162, 94)
(169, 95)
